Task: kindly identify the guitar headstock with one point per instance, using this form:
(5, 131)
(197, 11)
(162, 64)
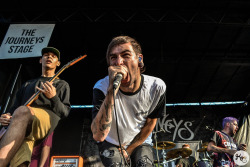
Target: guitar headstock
(72, 62)
(77, 59)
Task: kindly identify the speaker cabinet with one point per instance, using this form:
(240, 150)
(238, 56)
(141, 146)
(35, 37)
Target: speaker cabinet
(66, 161)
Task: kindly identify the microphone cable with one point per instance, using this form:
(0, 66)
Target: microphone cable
(126, 163)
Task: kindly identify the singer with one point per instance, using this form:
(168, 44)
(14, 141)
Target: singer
(126, 110)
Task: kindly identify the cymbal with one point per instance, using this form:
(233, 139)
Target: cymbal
(164, 145)
(203, 149)
(184, 152)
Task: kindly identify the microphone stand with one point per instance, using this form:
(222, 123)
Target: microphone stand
(174, 159)
(165, 162)
(163, 151)
(157, 155)
(13, 85)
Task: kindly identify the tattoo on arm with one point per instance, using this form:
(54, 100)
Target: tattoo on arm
(108, 111)
(218, 150)
(94, 128)
(137, 137)
(106, 117)
(105, 126)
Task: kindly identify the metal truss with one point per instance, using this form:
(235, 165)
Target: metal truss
(107, 15)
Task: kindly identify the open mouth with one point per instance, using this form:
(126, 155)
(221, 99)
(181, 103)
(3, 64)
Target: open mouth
(48, 61)
(125, 80)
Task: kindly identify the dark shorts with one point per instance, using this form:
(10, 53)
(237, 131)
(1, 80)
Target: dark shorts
(111, 157)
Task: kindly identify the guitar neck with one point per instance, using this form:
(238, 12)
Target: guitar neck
(35, 95)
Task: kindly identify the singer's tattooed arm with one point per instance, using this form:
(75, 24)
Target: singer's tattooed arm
(102, 122)
(142, 135)
(105, 121)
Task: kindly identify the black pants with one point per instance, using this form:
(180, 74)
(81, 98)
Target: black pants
(142, 156)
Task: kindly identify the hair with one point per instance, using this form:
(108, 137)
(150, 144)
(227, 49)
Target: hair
(185, 145)
(119, 40)
(228, 119)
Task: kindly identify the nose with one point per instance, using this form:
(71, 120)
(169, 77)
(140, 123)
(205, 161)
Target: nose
(50, 55)
(119, 61)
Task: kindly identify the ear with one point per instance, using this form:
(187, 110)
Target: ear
(140, 63)
(58, 64)
(140, 58)
(40, 60)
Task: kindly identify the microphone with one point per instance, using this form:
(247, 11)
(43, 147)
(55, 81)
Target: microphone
(117, 80)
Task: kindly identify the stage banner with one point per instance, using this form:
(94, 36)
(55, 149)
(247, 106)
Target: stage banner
(193, 123)
(25, 40)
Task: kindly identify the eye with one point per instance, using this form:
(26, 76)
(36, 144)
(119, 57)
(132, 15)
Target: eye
(112, 57)
(126, 55)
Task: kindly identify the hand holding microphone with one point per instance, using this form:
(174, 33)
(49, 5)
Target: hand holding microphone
(119, 73)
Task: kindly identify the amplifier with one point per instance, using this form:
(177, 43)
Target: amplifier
(66, 161)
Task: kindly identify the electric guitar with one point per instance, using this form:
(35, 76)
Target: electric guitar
(36, 94)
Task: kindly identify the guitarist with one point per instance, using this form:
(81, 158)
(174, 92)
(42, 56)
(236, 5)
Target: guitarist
(223, 144)
(30, 124)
